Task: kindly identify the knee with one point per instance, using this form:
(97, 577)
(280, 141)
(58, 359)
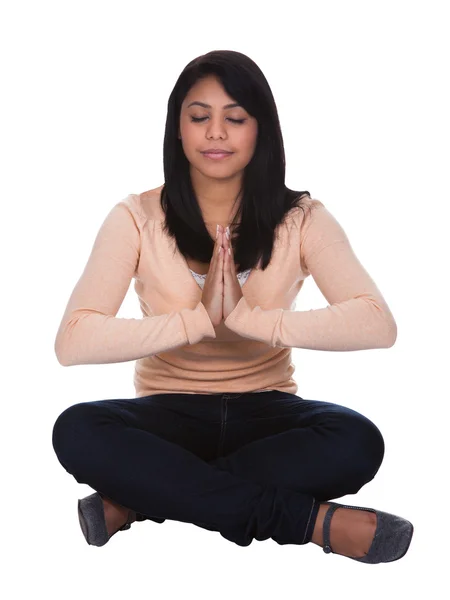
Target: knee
(66, 429)
(365, 445)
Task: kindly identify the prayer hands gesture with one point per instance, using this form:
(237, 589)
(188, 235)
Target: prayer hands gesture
(222, 290)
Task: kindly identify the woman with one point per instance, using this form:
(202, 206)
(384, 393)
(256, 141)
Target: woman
(216, 435)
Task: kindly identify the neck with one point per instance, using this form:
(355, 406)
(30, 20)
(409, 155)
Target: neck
(217, 199)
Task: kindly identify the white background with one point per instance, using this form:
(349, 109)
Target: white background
(362, 93)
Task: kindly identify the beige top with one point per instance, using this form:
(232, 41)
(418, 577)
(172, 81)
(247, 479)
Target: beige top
(175, 345)
(242, 278)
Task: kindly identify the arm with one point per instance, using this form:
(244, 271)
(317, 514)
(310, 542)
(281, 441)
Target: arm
(91, 333)
(357, 317)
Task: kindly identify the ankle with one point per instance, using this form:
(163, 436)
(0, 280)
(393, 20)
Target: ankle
(114, 508)
(351, 531)
(115, 515)
(317, 536)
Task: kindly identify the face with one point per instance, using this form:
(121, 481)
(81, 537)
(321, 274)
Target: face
(215, 126)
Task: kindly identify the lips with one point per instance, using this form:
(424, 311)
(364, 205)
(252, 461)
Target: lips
(216, 152)
(217, 155)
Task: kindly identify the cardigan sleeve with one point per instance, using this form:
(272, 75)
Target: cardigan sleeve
(90, 332)
(357, 316)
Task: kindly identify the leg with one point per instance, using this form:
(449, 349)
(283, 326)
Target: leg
(132, 451)
(309, 446)
(315, 447)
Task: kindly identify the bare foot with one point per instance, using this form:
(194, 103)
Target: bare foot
(115, 515)
(351, 531)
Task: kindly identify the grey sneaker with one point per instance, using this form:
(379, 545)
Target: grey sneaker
(92, 520)
(391, 540)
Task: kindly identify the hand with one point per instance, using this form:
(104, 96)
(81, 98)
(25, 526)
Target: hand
(212, 296)
(232, 291)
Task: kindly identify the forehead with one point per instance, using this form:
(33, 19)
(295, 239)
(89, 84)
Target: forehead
(210, 92)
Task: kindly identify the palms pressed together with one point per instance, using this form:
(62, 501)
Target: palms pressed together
(232, 291)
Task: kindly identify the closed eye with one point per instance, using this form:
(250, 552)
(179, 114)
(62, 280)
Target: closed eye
(198, 120)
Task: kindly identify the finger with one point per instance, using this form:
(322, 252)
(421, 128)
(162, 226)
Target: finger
(217, 245)
(228, 267)
(219, 270)
(226, 241)
(218, 262)
(229, 256)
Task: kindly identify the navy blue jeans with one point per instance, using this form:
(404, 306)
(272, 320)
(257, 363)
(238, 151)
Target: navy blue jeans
(249, 466)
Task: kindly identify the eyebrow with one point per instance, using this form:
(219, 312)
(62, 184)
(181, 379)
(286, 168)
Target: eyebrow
(209, 106)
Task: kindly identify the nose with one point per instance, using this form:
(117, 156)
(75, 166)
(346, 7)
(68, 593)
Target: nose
(216, 129)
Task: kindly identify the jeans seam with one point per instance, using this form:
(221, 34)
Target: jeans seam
(223, 427)
(309, 519)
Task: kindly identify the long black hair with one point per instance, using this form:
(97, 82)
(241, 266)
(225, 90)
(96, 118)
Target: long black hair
(265, 199)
